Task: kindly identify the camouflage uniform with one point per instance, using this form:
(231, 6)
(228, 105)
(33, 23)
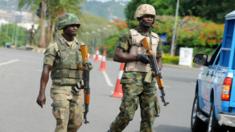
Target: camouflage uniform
(138, 86)
(67, 103)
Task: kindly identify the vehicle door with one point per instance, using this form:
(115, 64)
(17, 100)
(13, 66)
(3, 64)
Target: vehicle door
(205, 81)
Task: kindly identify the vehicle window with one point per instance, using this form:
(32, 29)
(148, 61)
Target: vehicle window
(214, 56)
(233, 64)
(226, 50)
(225, 57)
(229, 34)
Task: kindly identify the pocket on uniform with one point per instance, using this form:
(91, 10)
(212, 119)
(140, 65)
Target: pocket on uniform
(59, 113)
(127, 78)
(59, 93)
(157, 107)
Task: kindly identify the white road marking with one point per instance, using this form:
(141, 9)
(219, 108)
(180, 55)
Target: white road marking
(107, 79)
(9, 62)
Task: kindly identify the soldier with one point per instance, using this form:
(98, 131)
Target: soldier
(63, 59)
(31, 35)
(137, 81)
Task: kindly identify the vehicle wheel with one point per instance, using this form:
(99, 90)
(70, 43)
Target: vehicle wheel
(213, 125)
(197, 125)
(231, 129)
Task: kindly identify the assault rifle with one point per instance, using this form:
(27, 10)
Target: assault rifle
(155, 69)
(86, 78)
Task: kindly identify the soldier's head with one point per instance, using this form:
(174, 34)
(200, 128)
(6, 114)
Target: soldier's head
(69, 23)
(145, 14)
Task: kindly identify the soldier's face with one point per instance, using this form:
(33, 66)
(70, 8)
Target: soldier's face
(147, 20)
(71, 30)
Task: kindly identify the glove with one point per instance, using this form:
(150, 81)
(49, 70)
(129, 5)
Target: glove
(143, 58)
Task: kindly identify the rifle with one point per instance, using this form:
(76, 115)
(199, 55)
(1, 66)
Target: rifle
(155, 69)
(86, 77)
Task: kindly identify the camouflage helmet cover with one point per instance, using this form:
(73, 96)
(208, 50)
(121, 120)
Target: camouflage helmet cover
(67, 19)
(144, 9)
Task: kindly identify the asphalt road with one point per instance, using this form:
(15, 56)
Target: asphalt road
(20, 72)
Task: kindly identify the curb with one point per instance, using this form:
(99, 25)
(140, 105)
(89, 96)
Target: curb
(39, 50)
(180, 66)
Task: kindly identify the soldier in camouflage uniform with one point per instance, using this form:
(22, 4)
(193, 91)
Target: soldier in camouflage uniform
(63, 59)
(137, 81)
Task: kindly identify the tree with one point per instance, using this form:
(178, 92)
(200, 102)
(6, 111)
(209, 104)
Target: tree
(214, 10)
(13, 35)
(49, 10)
(163, 7)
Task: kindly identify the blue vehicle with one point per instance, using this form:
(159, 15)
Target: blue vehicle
(214, 103)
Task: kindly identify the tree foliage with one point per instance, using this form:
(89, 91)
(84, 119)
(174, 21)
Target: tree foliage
(93, 28)
(13, 34)
(54, 7)
(214, 10)
(49, 10)
(163, 7)
(192, 32)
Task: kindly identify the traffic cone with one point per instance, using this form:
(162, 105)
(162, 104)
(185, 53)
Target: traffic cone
(97, 54)
(118, 87)
(103, 64)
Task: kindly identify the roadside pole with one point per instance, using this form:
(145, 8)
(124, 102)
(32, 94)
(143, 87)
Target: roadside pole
(175, 29)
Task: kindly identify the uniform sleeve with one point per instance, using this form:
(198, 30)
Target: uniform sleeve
(124, 42)
(159, 49)
(50, 54)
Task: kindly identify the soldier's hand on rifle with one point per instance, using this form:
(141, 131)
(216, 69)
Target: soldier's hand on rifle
(87, 66)
(143, 58)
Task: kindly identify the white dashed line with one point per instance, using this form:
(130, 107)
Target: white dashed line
(107, 79)
(9, 62)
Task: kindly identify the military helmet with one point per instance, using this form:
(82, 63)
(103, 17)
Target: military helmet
(67, 19)
(144, 9)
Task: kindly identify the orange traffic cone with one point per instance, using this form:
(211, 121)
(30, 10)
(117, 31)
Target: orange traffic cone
(103, 64)
(118, 88)
(97, 53)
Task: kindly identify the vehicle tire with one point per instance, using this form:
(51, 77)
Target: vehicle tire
(213, 125)
(231, 129)
(197, 125)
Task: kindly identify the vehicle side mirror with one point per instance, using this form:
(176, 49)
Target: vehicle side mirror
(200, 59)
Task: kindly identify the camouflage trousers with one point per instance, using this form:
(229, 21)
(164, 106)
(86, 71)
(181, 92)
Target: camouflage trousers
(136, 91)
(67, 108)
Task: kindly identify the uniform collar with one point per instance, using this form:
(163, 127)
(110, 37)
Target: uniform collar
(68, 43)
(142, 32)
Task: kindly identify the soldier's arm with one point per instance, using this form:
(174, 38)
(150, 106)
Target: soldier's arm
(41, 100)
(121, 53)
(49, 57)
(122, 56)
(159, 56)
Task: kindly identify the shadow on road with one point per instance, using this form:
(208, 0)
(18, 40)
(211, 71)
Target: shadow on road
(168, 128)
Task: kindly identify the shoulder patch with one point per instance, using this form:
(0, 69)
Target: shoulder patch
(154, 35)
(53, 45)
(133, 32)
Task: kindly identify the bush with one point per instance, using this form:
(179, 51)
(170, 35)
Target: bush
(168, 59)
(192, 32)
(203, 50)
